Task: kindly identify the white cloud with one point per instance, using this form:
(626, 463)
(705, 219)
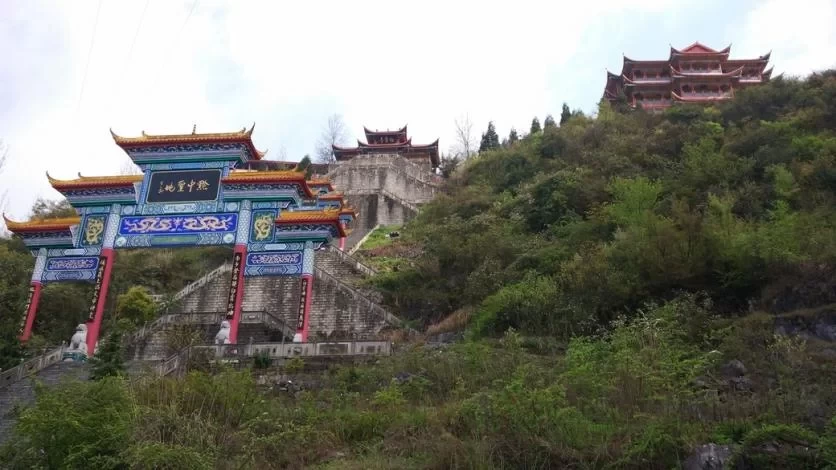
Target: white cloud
(288, 65)
(799, 33)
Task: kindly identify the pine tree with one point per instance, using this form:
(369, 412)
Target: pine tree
(513, 137)
(535, 125)
(108, 359)
(565, 114)
(490, 139)
(549, 123)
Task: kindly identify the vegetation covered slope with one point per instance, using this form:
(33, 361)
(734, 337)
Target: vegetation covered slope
(562, 231)
(612, 267)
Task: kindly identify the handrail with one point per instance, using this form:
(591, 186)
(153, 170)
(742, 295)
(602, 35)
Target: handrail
(31, 367)
(281, 350)
(363, 240)
(347, 258)
(394, 161)
(145, 329)
(410, 205)
(385, 314)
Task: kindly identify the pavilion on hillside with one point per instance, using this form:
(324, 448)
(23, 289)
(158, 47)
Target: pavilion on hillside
(390, 142)
(696, 74)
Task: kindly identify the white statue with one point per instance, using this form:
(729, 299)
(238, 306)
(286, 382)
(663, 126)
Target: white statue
(223, 335)
(78, 343)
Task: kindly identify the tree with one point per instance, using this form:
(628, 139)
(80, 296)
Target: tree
(490, 139)
(549, 123)
(47, 209)
(465, 140)
(448, 165)
(136, 305)
(513, 137)
(334, 133)
(305, 165)
(535, 126)
(108, 361)
(565, 114)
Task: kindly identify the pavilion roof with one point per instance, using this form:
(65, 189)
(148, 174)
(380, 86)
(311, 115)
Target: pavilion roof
(325, 216)
(369, 132)
(243, 136)
(321, 182)
(698, 49)
(406, 143)
(94, 181)
(676, 73)
(42, 225)
(244, 176)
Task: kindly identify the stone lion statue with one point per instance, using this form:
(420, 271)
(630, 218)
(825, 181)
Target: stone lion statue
(223, 334)
(79, 340)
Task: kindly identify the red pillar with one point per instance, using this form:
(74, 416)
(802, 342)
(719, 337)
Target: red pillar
(236, 292)
(94, 320)
(31, 310)
(304, 317)
(342, 239)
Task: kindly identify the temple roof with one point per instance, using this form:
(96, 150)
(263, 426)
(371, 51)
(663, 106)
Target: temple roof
(406, 143)
(321, 182)
(369, 132)
(94, 181)
(331, 196)
(699, 48)
(244, 176)
(325, 215)
(41, 225)
(675, 73)
(276, 175)
(243, 136)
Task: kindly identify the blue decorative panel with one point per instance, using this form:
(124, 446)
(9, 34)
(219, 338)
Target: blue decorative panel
(93, 233)
(189, 208)
(307, 231)
(274, 263)
(263, 224)
(87, 251)
(275, 246)
(58, 276)
(71, 263)
(162, 240)
(178, 224)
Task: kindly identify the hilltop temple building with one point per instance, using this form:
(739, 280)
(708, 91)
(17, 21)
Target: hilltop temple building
(696, 74)
(391, 142)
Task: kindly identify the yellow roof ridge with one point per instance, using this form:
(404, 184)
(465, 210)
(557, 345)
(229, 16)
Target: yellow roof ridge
(41, 223)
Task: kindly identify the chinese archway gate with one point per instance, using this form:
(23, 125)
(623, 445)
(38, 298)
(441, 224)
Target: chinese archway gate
(190, 193)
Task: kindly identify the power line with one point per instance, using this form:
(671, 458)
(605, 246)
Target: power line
(89, 56)
(176, 44)
(131, 50)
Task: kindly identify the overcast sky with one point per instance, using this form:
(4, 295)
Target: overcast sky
(71, 70)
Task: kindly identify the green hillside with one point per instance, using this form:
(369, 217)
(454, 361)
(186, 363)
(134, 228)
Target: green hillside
(631, 286)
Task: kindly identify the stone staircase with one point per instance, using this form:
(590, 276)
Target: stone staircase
(22, 392)
(385, 189)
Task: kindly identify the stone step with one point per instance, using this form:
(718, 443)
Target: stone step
(22, 393)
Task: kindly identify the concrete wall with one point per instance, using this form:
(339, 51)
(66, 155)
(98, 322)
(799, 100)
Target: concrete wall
(339, 307)
(392, 173)
(385, 189)
(375, 208)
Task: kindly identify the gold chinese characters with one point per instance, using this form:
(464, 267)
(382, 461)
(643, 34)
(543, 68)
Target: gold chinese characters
(182, 186)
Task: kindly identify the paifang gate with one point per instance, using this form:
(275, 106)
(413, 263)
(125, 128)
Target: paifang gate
(190, 193)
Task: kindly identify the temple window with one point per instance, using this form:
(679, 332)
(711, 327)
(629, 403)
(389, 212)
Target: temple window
(638, 74)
